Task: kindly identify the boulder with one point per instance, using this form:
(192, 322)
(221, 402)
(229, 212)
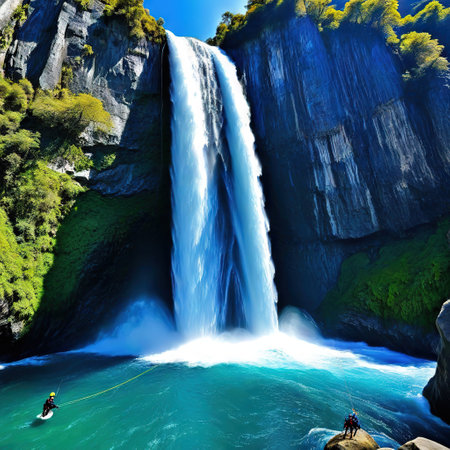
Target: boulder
(361, 441)
(437, 391)
(421, 443)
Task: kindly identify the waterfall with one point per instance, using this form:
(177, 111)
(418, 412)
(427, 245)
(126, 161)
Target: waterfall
(222, 271)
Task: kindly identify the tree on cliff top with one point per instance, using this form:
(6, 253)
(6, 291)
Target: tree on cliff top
(421, 54)
(140, 22)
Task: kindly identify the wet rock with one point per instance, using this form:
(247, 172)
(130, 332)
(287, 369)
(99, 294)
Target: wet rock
(421, 443)
(399, 336)
(346, 153)
(124, 179)
(361, 441)
(437, 391)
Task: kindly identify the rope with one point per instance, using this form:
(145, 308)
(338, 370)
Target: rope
(109, 389)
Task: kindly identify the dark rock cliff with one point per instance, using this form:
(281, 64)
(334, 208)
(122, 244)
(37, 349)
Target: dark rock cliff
(348, 155)
(126, 74)
(437, 391)
(123, 72)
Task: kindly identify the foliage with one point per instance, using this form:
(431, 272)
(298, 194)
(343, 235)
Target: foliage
(73, 112)
(93, 221)
(433, 19)
(66, 76)
(37, 203)
(75, 155)
(21, 142)
(106, 161)
(87, 50)
(84, 5)
(18, 18)
(20, 14)
(140, 22)
(33, 198)
(6, 36)
(421, 54)
(408, 281)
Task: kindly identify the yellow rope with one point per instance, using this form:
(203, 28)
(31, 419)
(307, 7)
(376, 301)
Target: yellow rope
(109, 389)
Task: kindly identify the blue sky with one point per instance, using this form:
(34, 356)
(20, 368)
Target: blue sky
(196, 18)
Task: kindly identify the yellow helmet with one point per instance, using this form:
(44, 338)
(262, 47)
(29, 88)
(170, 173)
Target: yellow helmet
(52, 394)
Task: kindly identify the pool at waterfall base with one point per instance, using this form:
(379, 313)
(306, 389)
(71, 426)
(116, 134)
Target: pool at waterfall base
(230, 391)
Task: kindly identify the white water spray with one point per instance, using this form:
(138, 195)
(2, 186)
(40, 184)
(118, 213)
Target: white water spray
(221, 263)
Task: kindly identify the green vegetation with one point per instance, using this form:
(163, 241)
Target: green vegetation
(18, 17)
(408, 281)
(421, 54)
(35, 204)
(33, 198)
(84, 5)
(94, 221)
(73, 113)
(87, 50)
(140, 22)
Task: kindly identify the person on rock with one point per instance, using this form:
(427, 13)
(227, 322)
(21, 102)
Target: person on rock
(355, 422)
(49, 404)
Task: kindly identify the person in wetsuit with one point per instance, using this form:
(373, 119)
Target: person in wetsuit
(49, 404)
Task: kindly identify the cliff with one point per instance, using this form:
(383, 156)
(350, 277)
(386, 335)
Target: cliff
(350, 158)
(437, 391)
(123, 72)
(108, 249)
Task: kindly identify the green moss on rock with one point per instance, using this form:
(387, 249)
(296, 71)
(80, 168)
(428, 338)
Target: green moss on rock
(94, 221)
(407, 281)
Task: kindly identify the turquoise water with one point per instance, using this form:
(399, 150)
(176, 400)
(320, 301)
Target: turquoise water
(275, 392)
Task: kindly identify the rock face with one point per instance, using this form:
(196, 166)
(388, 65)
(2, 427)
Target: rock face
(437, 391)
(422, 444)
(373, 330)
(346, 153)
(124, 73)
(361, 441)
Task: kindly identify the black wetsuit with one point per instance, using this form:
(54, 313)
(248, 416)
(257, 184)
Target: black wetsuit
(48, 405)
(348, 425)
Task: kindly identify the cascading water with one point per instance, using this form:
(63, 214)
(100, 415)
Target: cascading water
(221, 263)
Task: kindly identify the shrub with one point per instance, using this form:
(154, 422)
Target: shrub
(10, 121)
(74, 113)
(106, 161)
(66, 76)
(84, 5)
(140, 22)
(20, 14)
(421, 54)
(76, 156)
(6, 36)
(87, 50)
(16, 99)
(27, 88)
(22, 142)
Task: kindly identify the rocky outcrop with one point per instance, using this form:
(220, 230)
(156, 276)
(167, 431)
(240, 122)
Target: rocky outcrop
(360, 441)
(437, 391)
(400, 336)
(347, 153)
(421, 443)
(364, 441)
